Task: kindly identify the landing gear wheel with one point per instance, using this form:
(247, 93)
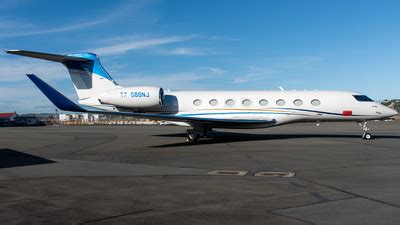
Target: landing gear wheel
(367, 136)
(192, 137)
(364, 127)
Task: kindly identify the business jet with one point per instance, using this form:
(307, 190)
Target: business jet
(203, 110)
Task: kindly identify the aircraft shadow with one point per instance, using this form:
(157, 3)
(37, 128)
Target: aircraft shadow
(227, 137)
(11, 158)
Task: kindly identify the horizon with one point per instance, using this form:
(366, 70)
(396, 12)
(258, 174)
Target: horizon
(207, 45)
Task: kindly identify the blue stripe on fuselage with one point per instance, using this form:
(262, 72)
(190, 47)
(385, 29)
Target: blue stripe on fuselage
(276, 113)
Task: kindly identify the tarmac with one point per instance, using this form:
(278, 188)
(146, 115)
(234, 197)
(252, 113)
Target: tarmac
(151, 175)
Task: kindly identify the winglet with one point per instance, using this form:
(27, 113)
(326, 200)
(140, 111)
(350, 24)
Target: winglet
(54, 96)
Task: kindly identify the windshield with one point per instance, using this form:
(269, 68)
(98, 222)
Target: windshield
(362, 98)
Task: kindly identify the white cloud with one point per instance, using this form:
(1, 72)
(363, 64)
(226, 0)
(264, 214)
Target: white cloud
(14, 69)
(222, 38)
(300, 62)
(139, 44)
(9, 4)
(178, 81)
(186, 51)
(66, 28)
(19, 94)
(187, 80)
(23, 98)
(4, 24)
(254, 74)
(18, 28)
(213, 70)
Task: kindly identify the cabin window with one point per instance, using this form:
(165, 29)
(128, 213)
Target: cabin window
(246, 102)
(213, 102)
(298, 102)
(281, 102)
(362, 98)
(263, 102)
(315, 102)
(230, 102)
(197, 102)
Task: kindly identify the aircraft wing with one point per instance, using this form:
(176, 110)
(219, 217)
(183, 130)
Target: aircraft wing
(66, 104)
(47, 56)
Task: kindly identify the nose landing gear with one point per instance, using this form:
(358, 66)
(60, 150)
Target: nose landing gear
(366, 135)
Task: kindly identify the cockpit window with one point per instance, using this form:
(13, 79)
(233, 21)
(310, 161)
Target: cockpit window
(362, 98)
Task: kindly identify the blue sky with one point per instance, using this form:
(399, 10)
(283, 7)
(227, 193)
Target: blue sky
(205, 45)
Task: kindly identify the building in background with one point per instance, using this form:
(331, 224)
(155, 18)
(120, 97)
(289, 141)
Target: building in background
(13, 119)
(42, 118)
(8, 118)
(101, 119)
(28, 121)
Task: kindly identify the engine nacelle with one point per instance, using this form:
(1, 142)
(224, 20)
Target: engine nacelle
(134, 97)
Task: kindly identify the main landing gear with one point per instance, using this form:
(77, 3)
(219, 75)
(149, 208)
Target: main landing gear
(366, 135)
(193, 135)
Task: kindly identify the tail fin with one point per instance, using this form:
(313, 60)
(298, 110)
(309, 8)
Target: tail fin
(88, 75)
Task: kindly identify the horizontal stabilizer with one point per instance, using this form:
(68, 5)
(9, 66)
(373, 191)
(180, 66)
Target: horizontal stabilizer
(54, 96)
(50, 57)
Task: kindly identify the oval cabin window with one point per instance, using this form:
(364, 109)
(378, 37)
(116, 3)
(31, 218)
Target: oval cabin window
(197, 102)
(281, 102)
(298, 102)
(230, 102)
(213, 102)
(263, 102)
(315, 102)
(246, 102)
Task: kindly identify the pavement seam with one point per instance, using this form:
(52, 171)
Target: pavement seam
(350, 193)
(116, 216)
(96, 145)
(350, 167)
(362, 142)
(44, 146)
(311, 204)
(156, 175)
(275, 211)
(32, 198)
(291, 217)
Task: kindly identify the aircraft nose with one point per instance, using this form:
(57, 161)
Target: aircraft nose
(390, 112)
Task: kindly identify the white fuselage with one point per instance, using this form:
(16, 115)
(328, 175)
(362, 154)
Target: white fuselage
(281, 106)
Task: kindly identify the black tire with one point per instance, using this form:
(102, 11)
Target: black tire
(191, 137)
(367, 136)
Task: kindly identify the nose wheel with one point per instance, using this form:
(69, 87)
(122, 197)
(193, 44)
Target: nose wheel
(366, 135)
